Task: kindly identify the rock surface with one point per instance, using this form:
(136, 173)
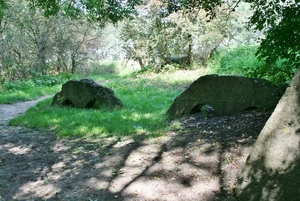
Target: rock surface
(271, 171)
(227, 95)
(86, 93)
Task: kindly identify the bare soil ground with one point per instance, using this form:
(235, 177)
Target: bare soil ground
(200, 161)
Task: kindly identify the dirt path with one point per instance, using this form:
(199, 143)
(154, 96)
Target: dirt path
(198, 162)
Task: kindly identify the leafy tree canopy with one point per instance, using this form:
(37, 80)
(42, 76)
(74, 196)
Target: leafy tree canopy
(102, 11)
(207, 5)
(278, 19)
(3, 6)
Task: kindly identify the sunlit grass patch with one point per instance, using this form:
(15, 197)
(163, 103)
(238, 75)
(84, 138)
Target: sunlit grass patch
(81, 122)
(31, 89)
(32, 93)
(146, 99)
(144, 113)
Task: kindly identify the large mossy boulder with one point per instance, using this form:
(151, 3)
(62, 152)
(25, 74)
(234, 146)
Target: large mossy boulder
(226, 95)
(86, 93)
(272, 170)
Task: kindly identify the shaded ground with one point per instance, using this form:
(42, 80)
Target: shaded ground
(199, 161)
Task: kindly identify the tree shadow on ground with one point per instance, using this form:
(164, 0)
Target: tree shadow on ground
(199, 161)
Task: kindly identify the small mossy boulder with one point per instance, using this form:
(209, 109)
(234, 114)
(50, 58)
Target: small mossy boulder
(86, 93)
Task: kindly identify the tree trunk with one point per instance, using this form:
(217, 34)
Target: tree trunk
(140, 62)
(41, 60)
(190, 52)
(271, 172)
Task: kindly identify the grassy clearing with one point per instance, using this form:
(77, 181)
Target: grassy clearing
(146, 99)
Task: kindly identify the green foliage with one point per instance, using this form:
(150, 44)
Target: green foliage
(158, 68)
(208, 6)
(280, 22)
(17, 85)
(280, 72)
(33, 44)
(13, 91)
(3, 6)
(155, 39)
(236, 61)
(38, 80)
(26, 93)
(145, 70)
(102, 11)
(242, 61)
(108, 68)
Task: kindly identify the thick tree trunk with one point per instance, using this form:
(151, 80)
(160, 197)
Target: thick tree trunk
(271, 171)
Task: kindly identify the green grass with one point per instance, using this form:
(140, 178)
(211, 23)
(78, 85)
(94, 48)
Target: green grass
(12, 96)
(146, 99)
(40, 85)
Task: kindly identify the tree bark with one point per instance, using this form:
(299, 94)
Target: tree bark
(271, 172)
(190, 51)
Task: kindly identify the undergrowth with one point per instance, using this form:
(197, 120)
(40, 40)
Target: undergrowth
(39, 85)
(242, 61)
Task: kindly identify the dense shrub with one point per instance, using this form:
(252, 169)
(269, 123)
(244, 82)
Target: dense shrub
(38, 80)
(242, 61)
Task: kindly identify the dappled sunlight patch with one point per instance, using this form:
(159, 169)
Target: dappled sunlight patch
(142, 156)
(78, 164)
(18, 150)
(83, 129)
(160, 189)
(282, 157)
(123, 143)
(106, 173)
(58, 166)
(96, 184)
(108, 163)
(59, 147)
(38, 189)
(54, 121)
(202, 157)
